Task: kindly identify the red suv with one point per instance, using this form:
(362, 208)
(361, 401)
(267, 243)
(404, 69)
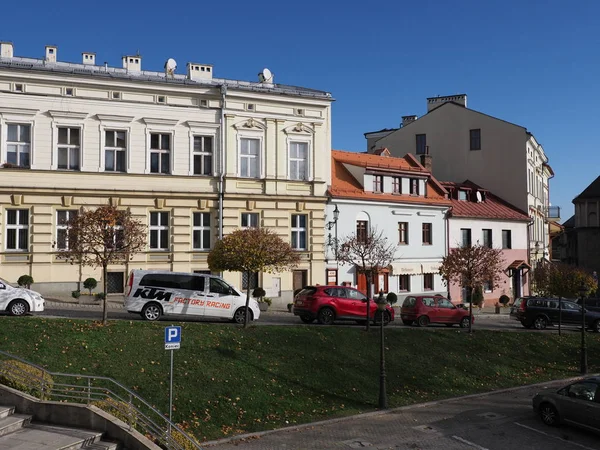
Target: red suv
(424, 309)
(330, 303)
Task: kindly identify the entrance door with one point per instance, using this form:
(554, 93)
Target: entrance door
(516, 283)
(115, 282)
(300, 279)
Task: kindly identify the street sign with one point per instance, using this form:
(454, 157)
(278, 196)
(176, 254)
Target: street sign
(172, 338)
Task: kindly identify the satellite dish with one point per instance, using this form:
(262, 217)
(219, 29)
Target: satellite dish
(265, 76)
(170, 66)
(479, 197)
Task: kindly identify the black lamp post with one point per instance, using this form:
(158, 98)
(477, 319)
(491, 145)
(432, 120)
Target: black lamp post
(381, 307)
(330, 225)
(582, 291)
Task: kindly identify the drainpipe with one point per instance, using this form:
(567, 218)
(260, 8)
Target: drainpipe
(447, 214)
(529, 225)
(222, 161)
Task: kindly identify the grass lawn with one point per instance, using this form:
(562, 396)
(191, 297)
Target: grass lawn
(229, 380)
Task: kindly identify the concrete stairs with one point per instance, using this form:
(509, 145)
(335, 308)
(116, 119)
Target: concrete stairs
(17, 432)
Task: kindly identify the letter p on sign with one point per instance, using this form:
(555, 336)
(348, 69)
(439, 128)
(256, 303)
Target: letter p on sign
(172, 338)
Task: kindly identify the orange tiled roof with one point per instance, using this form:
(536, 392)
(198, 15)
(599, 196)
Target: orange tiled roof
(344, 185)
(492, 208)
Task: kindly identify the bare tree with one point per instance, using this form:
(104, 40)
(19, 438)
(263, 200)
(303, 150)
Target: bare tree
(471, 267)
(101, 237)
(369, 252)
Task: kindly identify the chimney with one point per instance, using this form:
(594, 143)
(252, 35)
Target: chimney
(408, 119)
(132, 63)
(426, 160)
(6, 50)
(434, 102)
(89, 59)
(51, 53)
(197, 71)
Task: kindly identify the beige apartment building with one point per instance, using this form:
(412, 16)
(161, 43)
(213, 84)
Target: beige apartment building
(191, 155)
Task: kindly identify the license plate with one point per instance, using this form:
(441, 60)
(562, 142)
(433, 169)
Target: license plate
(299, 303)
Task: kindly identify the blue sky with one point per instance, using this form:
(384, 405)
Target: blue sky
(534, 63)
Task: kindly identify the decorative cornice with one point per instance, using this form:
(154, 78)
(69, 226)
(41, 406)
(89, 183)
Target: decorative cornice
(19, 111)
(299, 128)
(159, 121)
(68, 115)
(114, 118)
(194, 124)
(251, 123)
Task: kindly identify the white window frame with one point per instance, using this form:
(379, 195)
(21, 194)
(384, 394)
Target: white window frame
(70, 146)
(202, 153)
(259, 157)
(291, 176)
(18, 229)
(201, 229)
(19, 144)
(296, 228)
(208, 130)
(171, 135)
(248, 215)
(20, 117)
(158, 228)
(59, 226)
(105, 148)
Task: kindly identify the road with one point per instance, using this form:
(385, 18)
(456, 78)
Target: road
(499, 421)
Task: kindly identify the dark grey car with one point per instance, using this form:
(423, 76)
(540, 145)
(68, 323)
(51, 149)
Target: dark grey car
(576, 404)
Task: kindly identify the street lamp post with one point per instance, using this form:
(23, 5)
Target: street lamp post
(330, 225)
(381, 306)
(582, 291)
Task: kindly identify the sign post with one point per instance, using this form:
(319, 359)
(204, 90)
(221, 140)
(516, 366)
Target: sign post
(172, 342)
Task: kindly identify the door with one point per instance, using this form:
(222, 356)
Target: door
(516, 283)
(299, 279)
(580, 405)
(341, 302)
(571, 313)
(358, 302)
(115, 282)
(381, 283)
(430, 309)
(446, 311)
(220, 300)
(276, 286)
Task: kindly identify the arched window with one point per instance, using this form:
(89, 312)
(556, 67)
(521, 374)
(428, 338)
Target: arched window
(592, 220)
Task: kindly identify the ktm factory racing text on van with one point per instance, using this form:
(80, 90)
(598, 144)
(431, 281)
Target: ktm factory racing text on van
(153, 293)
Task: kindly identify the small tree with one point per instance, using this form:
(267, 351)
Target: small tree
(252, 250)
(90, 284)
(102, 236)
(369, 252)
(25, 281)
(472, 267)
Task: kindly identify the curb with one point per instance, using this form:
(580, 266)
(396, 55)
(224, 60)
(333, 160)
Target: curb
(259, 434)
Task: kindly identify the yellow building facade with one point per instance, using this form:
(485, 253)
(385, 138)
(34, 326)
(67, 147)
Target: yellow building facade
(192, 156)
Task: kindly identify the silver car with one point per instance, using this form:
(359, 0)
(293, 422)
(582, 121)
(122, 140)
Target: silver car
(576, 404)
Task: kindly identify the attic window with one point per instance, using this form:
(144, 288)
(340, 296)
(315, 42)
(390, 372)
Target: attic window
(69, 92)
(463, 195)
(161, 99)
(204, 103)
(19, 87)
(299, 112)
(116, 95)
(250, 106)
(208, 69)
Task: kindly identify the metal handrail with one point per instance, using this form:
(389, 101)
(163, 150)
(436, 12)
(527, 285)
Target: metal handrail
(158, 427)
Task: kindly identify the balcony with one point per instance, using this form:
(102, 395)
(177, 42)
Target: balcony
(553, 212)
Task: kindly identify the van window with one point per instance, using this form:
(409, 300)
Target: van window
(173, 281)
(218, 286)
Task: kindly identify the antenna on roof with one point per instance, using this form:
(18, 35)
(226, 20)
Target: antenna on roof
(265, 76)
(479, 197)
(170, 67)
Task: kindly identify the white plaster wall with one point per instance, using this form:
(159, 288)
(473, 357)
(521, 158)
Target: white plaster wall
(518, 231)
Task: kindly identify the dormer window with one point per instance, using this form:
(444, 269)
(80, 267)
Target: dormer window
(463, 195)
(378, 183)
(414, 186)
(397, 185)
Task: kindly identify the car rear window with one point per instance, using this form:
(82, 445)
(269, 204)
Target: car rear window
(335, 292)
(308, 291)
(409, 302)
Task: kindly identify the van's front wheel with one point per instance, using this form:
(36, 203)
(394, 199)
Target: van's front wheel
(240, 315)
(152, 311)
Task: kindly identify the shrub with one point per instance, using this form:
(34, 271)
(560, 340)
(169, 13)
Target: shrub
(258, 292)
(100, 296)
(266, 300)
(477, 296)
(290, 306)
(121, 410)
(90, 284)
(504, 299)
(392, 298)
(181, 440)
(25, 281)
(75, 294)
(26, 378)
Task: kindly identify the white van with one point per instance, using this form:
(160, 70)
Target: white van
(153, 293)
(19, 301)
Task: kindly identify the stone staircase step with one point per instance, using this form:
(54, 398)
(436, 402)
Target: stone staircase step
(12, 423)
(102, 445)
(50, 437)
(6, 411)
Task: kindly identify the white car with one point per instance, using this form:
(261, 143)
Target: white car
(19, 301)
(153, 293)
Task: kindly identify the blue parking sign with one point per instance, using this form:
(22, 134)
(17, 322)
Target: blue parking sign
(172, 338)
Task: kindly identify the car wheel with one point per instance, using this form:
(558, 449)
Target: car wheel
(151, 312)
(377, 318)
(307, 319)
(240, 315)
(423, 321)
(549, 415)
(407, 322)
(326, 316)
(18, 308)
(540, 323)
(464, 322)
(596, 326)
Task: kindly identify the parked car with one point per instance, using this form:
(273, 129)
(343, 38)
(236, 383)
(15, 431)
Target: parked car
(327, 304)
(19, 301)
(591, 304)
(153, 293)
(425, 309)
(577, 404)
(540, 312)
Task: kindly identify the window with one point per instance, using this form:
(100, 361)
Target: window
(362, 227)
(488, 287)
(298, 160)
(506, 239)
(18, 144)
(250, 220)
(160, 152)
(465, 237)
(487, 238)
(115, 151)
(68, 148)
(397, 185)
(62, 230)
(583, 390)
(475, 139)
(414, 186)
(428, 282)
(427, 238)
(403, 233)
(444, 303)
(299, 232)
(17, 229)
(219, 286)
(203, 155)
(404, 283)
(201, 231)
(378, 183)
(421, 144)
(159, 230)
(463, 195)
(249, 158)
(249, 281)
